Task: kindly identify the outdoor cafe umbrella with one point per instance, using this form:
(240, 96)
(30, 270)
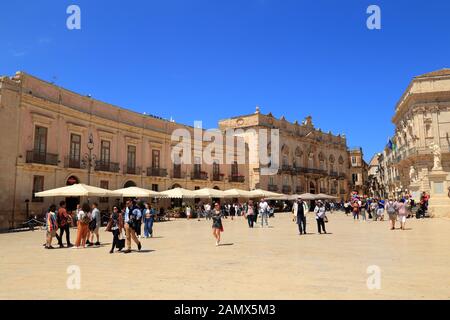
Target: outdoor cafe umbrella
(238, 193)
(210, 193)
(307, 196)
(322, 196)
(76, 190)
(177, 193)
(259, 193)
(135, 192)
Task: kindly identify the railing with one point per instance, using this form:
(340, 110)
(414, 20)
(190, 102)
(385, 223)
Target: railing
(323, 190)
(34, 156)
(70, 162)
(132, 170)
(107, 166)
(218, 177)
(156, 172)
(299, 189)
(333, 191)
(196, 175)
(286, 168)
(286, 189)
(334, 174)
(342, 175)
(236, 178)
(272, 187)
(178, 175)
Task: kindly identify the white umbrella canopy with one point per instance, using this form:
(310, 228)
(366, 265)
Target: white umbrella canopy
(238, 193)
(135, 192)
(76, 190)
(322, 196)
(210, 193)
(177, 193)
(259, 193)
(307, 196)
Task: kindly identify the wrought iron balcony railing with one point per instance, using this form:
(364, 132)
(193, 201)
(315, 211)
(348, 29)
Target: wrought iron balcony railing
(156, 172)
(34, 156)
(107, 166)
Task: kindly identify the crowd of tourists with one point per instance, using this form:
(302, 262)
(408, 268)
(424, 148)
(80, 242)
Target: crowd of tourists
(125, 222)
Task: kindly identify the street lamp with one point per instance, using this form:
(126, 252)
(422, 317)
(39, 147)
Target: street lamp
(89, 158)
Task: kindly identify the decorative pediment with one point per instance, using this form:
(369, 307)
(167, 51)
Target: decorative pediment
(42, 118)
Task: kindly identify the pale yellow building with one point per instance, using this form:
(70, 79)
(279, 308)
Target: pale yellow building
(310, 160)
(45, 138)
(421, 159)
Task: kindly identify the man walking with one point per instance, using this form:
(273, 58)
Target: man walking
(64, 222)
(302, 208)
(95, 231)
(264, 211)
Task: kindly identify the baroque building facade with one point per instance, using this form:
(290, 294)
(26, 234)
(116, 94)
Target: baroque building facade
(310, 160)
(49, 134)
(420, 160)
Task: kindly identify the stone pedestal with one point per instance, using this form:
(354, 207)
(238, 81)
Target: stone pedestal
(439, 204)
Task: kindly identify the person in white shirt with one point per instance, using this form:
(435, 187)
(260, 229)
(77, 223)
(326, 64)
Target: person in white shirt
(319, 210)
(264, 211)
(208, 211)
(188, 212)
(95, 231)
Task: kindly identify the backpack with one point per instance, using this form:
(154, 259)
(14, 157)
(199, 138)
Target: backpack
(390, 208)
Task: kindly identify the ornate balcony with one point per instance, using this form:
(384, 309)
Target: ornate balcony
(218, 177)
(199, 175)
(156, 172)
(334, 174)
(300, 189)
(236, 178)
(272, 187)
(34, 156)
(73, 163)
(107, 166)
(132, 170)
(323, 190)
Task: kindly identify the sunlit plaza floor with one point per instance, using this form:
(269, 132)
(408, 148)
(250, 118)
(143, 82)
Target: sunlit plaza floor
(182, 262)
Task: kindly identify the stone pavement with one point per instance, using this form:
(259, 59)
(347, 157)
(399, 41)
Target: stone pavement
(182, 262)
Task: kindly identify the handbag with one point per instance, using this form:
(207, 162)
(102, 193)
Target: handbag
(121, 244)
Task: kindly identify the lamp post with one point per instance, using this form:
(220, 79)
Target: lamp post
(89, 158)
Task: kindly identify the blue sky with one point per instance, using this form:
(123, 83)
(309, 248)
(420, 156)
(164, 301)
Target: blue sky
(208, 59)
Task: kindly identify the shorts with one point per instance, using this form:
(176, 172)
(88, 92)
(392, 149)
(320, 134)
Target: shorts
(380, 212)
(392, 216)
(402, 219)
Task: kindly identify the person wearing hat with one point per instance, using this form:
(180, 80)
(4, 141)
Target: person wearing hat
(319, 210)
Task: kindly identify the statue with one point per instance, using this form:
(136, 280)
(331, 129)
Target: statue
(436, 150)
(412, 174)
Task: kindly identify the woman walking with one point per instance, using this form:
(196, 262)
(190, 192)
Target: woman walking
(391, 209)
(83, 218)
(217, 223)
(249, 213)
(355, 209)
(115, 225)
(149, 218)
(52, 226)
(320, 211)
(402, 213)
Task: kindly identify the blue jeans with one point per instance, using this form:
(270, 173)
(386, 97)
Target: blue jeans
(148, 227)
(264, 217)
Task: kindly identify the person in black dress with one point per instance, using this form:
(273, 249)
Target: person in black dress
(217, 222)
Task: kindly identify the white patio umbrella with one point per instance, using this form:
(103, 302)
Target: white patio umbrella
(135, 192)
(307, 196)
(238, 193)
(177, 193)
(259, 193)
(322, 196)
(210, 193)
(76, 190)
